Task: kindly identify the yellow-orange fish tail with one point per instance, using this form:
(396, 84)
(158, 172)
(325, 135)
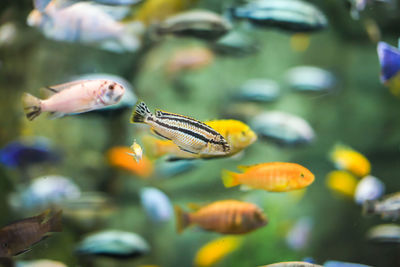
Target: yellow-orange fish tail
(32, 106)
(229, 178)
(182, 219)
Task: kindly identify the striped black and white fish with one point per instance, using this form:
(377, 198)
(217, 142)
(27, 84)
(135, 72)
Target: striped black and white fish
(188, 134)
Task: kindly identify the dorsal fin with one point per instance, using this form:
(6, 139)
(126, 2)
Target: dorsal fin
(54, 89)
(194, 206)
(244, 168)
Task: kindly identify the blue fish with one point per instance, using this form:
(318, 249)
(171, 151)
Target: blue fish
(343, 264)
(258, 90)
(171, 167)
(22, 154)
(156, 204)
(389, 58)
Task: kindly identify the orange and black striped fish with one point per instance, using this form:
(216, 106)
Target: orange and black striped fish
(226, 217)
(188, 134)
(18, 237)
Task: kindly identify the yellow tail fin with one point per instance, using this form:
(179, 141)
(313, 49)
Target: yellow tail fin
(182, 219)
(229, 178)
(32, 106)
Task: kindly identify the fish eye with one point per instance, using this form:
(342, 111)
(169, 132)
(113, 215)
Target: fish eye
(111, 86)
(243, 133)
(302, 175)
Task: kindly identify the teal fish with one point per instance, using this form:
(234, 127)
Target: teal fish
(188, 134)
(258, 90)
(343, 264)
(309, 78)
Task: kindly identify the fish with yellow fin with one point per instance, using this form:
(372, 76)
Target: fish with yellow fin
(271, 176)
(346, 158)
(342, 182)
(137, 151)
(215, 250)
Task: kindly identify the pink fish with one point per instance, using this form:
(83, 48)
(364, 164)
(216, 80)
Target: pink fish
(74, 97)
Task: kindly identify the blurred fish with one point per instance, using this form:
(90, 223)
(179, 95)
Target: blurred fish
(384, 233)
(300, 42)
(225, 216)
(112, 2)
(21, 154)
(44, 192)
(80, 22)
(343, 264)
(137, 151)
(388, 207)
(114, 244)
(258, 90)
(153, 11)
(168, 168)
(192, 58)
(283, 128)
(18, 237)
(156, 204)
(308, 78)
(215, 250)
(369, 188)
(189, 134)
(39, 263)
(236, 133)
(292, 264)
(346, 158)
(8, 34)
(289, 15)
(342, 182)
(200, 24)
(299, 235)
(389, 59)
(74, 97)
(359, 5)
(119, 157)
(236, 44)
(372, 30)
(129, 98)
(271, 176)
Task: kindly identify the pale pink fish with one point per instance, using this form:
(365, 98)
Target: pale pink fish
(74, 97)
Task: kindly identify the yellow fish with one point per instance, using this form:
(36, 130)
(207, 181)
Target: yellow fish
(342, 182)
(236, 133)
(153, 11)
(214, 251)
(345, 158)
(137, 151)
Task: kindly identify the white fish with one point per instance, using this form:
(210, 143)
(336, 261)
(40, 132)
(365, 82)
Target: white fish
(309, 78)
(299, 236)
(369, 188)
(87, 23)
(74, 97)
(137, 151)
(156, 204)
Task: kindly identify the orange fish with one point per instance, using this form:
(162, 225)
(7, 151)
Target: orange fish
(272, 176)
(119, 157)
(192, 58)
(226, 217)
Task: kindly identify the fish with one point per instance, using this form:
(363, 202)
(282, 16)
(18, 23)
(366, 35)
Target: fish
(216, 250)
(25, 153)
(283, 128)
(113, 2)
(188, 59)
(299, 235)
(299, 42)
(389, 59)
(137, 151)
(73, 97)
(200, 24)
(8, 34)
(369, 188)
(343, 264)
(238, 135)
(388, 207)
(188, 134)
(356, 6)
(39, 263)
(114, 244)
(235, 43)
(287, 15)
(44, 192)
(79, 23)
(310, 79)
(118, 157)
(346, 158)
(271, 176)
(292, 264)
(224, 216)
(384, 233)
(342, 182)
(156, 204)
(18, 237)
(165, 167)
(258, 90)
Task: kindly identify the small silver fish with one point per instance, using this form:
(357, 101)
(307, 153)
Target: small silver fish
(156, 204)
(388, 207)
(384, 233)
(309, 78)
(188, 134)
(369, 188)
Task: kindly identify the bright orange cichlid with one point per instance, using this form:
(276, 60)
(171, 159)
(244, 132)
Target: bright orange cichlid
(272, 176)
(226, 217)
(119, 157)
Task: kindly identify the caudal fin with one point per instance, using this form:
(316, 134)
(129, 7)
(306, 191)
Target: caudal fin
(32, 106)
(229, 178)
(140, 112)
(55, 222)
(182, 219)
